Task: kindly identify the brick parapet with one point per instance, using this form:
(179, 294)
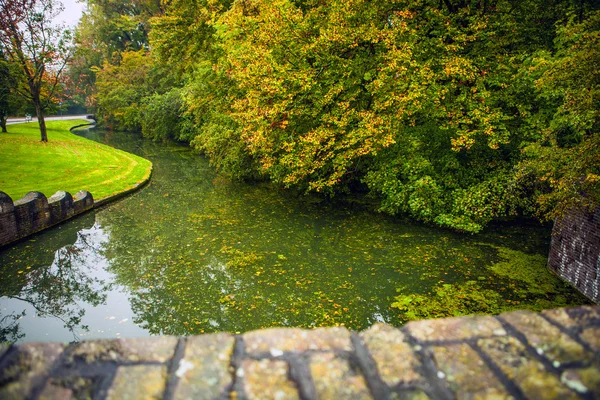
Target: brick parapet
(575, 251)
(554, 354)
(34, 212)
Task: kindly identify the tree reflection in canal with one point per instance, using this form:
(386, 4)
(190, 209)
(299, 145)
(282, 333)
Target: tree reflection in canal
(52, 284)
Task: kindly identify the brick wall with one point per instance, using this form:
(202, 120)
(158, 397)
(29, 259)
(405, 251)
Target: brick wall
(35, 212)
(575, 251)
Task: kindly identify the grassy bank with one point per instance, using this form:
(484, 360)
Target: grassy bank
(67, 162)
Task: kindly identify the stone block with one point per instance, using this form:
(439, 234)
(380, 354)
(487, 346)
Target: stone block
(8, 222)
(82, 201)
(467, 374)
(281, 340)
(60, 205)
(583, 380)
(575, 317)
(138, 382)
(395, 359)
(335, 379)
(527, 373)
(591, 336)
(546, 338)
(4, 348)
(204, 370)
(460, 328)
(73, 386)
(267, 379)
(55, 392)
(150, 349)
(26, 368)
(32, 213)
(416, 394)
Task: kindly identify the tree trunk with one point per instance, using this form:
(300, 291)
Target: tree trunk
(3, 123)
(40, 116)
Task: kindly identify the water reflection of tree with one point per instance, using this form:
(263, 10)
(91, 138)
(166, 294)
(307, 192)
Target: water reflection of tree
(54, 287)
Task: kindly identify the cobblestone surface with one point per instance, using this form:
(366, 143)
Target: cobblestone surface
(550, 355)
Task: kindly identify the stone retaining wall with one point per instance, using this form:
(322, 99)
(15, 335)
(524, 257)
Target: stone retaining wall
(551, 355)
(35, 212)
(575, 251)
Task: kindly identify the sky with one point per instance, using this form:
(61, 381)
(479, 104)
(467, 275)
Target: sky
(72, 12)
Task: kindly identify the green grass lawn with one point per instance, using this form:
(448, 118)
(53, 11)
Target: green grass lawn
(66, 162)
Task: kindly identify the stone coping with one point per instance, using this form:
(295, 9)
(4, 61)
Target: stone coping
(549, 355)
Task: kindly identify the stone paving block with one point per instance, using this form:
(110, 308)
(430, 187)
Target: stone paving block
(334, 379)
(585, 380)
(409, 395)
(73, 386)
(460, 328)
(267, 379)
(203, 371)
(157, 349)
(591, 336)
(546, 338)
(527, 373)
(278, 340)
(467, 374)
(575, 317)
(394, 357)
(138, 382)
(4, 348)
(53, 392)
(25, 369)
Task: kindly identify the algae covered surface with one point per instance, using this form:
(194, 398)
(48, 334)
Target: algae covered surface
(194, 252)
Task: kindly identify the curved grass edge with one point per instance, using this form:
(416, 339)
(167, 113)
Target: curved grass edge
(119, 195)
(71, 129)
(114, 197)
(103, 193)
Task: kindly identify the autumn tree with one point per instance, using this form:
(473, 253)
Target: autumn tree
(40, 48)
(8, 85)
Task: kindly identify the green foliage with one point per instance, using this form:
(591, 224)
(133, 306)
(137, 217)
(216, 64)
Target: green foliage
(449, 301)
(455, 113)
(163, 117)
(526, 269)
(566, 158)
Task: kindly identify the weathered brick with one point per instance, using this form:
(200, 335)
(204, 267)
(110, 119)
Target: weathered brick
(26, 368)
(527, 373)
(467, 374)
(591, 336)
(394, 357)
(157, 349)
(267, 379)
(546, 338)
(277, 340)
(584, 380)
(335, 379)
(455, 328)
(138, 382)
(575, 250)
(203, 371)
(575, 317)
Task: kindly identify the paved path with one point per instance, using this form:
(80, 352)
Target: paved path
(20, 120)
(551, 355)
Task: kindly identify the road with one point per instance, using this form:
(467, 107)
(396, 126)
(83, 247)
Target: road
(19, 120)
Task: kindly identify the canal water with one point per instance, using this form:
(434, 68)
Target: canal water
(193, 253)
